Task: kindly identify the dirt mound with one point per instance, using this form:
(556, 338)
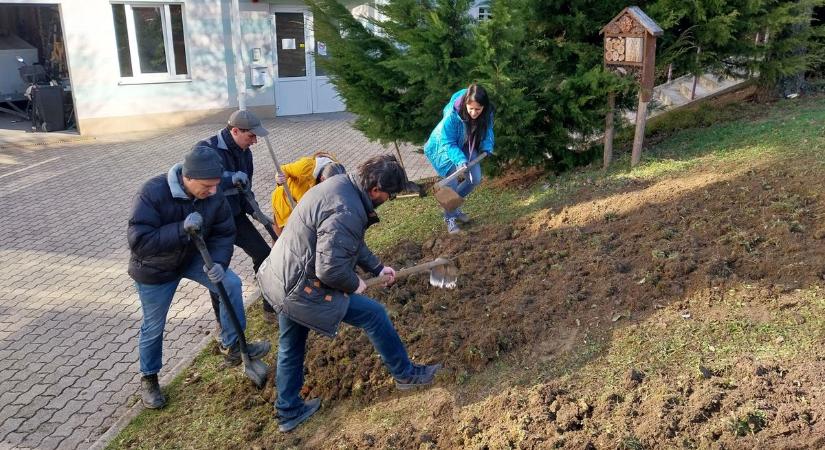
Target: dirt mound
(571, 274)
(756, 411)
(519, 178)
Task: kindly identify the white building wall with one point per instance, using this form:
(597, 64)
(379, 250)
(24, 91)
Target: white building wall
(106, 103)
(100, 93)
(256, 25)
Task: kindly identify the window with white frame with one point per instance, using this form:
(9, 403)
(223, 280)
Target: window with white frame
(484, 13)
(150, 41)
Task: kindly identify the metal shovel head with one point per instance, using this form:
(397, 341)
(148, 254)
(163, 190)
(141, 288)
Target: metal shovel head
(448, 198)
(255, 370)
(444, 276)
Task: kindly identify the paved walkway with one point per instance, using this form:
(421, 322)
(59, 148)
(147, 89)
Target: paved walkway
(69, 314)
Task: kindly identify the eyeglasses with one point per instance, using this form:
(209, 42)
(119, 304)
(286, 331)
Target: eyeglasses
(392, 195)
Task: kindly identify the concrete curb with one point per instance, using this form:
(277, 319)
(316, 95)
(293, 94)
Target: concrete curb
(176, 370)
(24, 142)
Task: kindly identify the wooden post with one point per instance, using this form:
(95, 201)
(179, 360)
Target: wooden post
(695, 77)
(639, 137)
(693, 88)
(608, 130)
(630, 44)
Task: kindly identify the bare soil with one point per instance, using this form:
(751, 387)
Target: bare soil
(534, 292)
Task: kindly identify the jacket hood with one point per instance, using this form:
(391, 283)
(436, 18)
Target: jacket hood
(457, 105)
(320, 163)
(173, 178)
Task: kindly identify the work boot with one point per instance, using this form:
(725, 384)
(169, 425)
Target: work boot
(151, 395)
(462, 217)
(422, 375)
(232, 355)
(452, 226)
(309, 408)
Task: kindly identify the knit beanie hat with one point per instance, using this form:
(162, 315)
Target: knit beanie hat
(202, 163)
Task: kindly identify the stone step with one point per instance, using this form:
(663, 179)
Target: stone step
(677, 93)
(686, 88)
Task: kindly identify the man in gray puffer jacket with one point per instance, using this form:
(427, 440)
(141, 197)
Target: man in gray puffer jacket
(310, 280)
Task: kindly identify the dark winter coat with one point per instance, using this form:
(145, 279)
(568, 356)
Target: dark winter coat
(161, 250)
(234, 160)
(311, 269)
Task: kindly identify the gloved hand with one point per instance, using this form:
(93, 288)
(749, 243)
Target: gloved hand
(240, 178)
(280, 178)
(193, 223)
(262, 218)
(215, 274)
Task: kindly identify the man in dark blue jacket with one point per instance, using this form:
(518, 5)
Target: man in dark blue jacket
(162, 254)
(232, 144)
(311, 281)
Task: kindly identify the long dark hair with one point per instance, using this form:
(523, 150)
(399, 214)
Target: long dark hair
(475, 130)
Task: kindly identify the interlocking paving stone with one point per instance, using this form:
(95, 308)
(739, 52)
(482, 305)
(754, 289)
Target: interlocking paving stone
(69, 314)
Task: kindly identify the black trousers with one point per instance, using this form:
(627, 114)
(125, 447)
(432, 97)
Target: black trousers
(254, 245)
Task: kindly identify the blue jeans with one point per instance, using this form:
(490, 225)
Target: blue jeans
(155, 300)
(465, 187)
(363, 312)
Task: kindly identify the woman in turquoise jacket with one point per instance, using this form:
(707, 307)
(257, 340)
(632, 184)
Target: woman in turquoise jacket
(466, 129)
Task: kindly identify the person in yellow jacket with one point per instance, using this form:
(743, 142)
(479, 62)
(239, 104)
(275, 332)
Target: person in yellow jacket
(299, 176)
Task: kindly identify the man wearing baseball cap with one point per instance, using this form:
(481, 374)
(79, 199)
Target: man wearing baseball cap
(233, 144)
(162, 254)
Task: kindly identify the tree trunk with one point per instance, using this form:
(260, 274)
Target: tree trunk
(398, 152)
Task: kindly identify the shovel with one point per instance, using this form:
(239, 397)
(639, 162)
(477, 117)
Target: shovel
(259, 215)
(255, 369)
(445, 195)
(278, 171)
(443, 274)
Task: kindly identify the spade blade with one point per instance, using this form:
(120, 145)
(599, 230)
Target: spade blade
(444, 276)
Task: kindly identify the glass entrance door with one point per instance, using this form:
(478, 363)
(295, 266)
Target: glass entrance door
(293, 89)
(301, 87)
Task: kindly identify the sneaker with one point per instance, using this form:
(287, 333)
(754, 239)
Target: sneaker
(309, 408)
(232, 355)
(461, 216)
(422, 375)
(151, 395)
(452, 226)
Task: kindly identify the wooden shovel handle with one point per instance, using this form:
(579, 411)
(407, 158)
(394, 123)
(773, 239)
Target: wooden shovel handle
(458, 173)
(278, 171)
(404, 273)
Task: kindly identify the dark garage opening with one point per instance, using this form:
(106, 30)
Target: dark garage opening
(35, 95)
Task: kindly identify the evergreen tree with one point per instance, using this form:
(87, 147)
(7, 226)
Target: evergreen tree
(396, 74)
(543, 63)
(703, 35)
(791, 50)
(771, 39)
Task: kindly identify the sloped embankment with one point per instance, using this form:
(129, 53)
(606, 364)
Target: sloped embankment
(576, 280)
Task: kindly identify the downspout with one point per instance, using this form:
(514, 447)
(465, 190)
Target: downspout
(240, 73)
